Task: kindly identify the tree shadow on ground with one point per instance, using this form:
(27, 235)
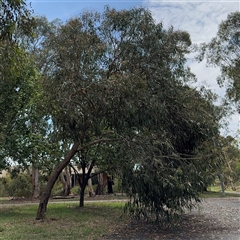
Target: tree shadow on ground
(191, 226)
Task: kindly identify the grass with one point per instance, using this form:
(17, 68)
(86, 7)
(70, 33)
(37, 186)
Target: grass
(64, 221)
(216, 191)
(213, 194)
(119, 196)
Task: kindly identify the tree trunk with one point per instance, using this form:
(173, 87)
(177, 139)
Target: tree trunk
(52, 179)
(90, 188)
(66, 181)
(230, 178)
(232, 183)
(110, 184)
(221, 182)
(85, 178)
(81, 202)
(102, 181)
(35, 181)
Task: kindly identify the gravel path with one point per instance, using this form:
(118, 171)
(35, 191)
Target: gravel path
(217, 218)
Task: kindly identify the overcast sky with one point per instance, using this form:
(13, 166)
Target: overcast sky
(199, 18)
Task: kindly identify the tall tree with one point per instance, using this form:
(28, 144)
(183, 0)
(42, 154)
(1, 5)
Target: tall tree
(23, 123)
(72, 88)
(117, 86)
(224, 51)
(17, 73)
(231, 156)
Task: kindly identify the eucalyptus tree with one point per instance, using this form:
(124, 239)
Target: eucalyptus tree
(224, 51)
(162, 120)
(17, 73)
(230, 153)
(14, 15)
(178, 168)
(117, 91)
(72, 91)
(24, 128)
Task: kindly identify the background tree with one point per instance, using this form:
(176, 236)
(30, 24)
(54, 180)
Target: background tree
(224, 51)
(24, 126)
(17, 73)
(14, 15)
(231, 155)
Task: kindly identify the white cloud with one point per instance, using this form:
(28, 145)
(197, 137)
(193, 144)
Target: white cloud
(201, 19)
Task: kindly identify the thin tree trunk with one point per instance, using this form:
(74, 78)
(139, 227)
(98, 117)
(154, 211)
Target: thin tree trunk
(66, 182)
(35, 182)
(110, 184)
(85, 178)
(100, 183)
(230, 178)
(232, 183)
(81, 202)
(220, 176)
(90, 188)
(52, 179)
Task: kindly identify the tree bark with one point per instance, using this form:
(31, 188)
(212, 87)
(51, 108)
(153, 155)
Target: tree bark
(81, 202)
(90, 188)
(230, 178)
(101, 184)
(85, 178)
(52, 179)
(66, 181)
(232, 183)
(110, 184)
(35, 181)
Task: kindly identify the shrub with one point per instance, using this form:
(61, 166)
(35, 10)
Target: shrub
(18, 186)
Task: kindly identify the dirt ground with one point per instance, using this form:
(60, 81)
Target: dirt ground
(217, 218)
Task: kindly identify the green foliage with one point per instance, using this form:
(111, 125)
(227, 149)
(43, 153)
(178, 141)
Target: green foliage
(116, 85)
(224, 51)
(161, 188)
(25, 136)
(57, 189)
(3, 191)
(17, 186)
(231, 154)
(238, 168)
(14, 16)
(17, 75)
(75, 190)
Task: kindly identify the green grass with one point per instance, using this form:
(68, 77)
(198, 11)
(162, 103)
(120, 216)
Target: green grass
(66, 220)
(213, 194)
(216, 191)
(217, 187)
(63, 221)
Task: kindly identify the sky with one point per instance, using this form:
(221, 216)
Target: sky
(200, 18)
